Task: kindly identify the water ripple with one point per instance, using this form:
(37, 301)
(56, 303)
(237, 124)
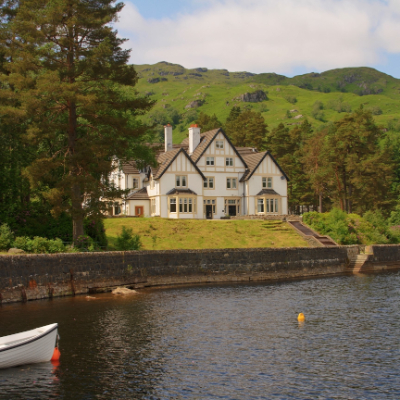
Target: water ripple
(219, 342)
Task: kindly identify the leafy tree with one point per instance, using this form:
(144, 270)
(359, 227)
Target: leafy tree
(248, 130)
(207, 122)
(66, 67)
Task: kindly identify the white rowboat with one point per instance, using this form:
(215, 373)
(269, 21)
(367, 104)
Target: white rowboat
(28, 347)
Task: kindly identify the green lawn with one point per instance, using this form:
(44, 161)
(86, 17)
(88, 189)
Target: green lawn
(164, 234)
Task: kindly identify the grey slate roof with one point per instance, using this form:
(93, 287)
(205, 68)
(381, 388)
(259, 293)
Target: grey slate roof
(140, 194)
(181, 191)
(267, 191)
(130, 168)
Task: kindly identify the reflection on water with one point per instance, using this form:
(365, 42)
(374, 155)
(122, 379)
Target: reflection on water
(219, 342)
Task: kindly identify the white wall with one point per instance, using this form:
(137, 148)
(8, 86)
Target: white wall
(143, 203)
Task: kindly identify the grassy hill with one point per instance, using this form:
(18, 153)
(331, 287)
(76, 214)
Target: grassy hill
(217, 91)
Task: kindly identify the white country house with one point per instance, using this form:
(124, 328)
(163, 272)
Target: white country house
(205, 176)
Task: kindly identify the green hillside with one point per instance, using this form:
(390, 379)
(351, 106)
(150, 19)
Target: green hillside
(290, 100)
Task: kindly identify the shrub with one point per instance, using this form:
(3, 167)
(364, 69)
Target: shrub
(376, 110)
(94, 227)
(339, 105)
(6, 237)
(128, 241)
(39, 245)
(83, 242)
(23, 243)
(317, 112)
(352, 228)
(56, 246)
(291, 99)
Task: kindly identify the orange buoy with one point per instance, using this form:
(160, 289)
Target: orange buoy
(56, 354)
(301, 317)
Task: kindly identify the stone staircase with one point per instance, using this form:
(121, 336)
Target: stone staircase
(357, 263)
(307, 233)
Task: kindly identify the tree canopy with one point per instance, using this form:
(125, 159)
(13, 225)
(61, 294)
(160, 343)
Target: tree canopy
(65, 72)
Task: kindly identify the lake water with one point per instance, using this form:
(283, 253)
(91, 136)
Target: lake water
(219, 342)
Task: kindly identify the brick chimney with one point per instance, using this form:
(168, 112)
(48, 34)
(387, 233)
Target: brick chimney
(194, 138)
(168, 137)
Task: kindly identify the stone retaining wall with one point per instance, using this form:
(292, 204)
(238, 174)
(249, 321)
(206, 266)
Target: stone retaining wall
(30, 277)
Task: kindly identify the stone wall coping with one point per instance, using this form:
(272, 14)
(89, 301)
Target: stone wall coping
(180, 251)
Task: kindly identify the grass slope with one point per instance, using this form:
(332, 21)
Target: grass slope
(219, 89)
(168, 234)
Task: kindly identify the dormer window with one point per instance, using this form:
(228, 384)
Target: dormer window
(181, 180)
(135, 183)
(219, 144)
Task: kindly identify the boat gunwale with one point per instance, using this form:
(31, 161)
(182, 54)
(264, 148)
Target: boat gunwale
(29, 340)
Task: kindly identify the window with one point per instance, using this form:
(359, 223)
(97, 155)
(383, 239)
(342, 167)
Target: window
(231, 183)
(219, 144)
(268, 206)
(229, 162)
(209, 202)
(172, 205)
(210, 161)
(267, 182)
(186, 205)
(153, 206)
(209, 183)
(260, 206)
(135, 183)
(181, 180)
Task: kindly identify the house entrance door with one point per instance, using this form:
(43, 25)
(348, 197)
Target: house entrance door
(139, 211)
(232, 211)
(209, 212)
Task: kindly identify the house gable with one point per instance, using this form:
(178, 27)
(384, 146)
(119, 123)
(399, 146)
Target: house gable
(210, 146)
(176, 161)
(263, 164)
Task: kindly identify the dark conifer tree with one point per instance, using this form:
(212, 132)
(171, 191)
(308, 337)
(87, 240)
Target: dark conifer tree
(66, 70)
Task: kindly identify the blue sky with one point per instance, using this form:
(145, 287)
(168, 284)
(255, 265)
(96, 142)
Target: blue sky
(288, 37)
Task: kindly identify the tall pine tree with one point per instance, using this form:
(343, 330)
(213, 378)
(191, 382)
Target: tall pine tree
(66, 72)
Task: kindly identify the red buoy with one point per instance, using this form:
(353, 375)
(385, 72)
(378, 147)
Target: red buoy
(56, 354)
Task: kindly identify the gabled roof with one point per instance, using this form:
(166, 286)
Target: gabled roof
(253, 162)
(206, 139)
(166, 159)
(130, 168)
(140, 194)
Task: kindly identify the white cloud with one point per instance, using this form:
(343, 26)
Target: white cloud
(267, 35)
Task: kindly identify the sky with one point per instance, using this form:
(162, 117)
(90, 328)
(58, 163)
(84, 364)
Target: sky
(288, 37)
